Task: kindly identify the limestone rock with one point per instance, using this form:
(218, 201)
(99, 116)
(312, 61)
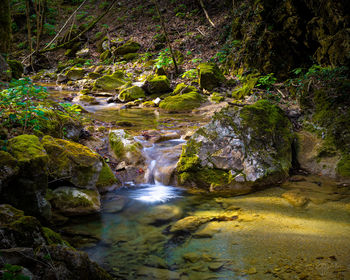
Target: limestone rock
(241, 149)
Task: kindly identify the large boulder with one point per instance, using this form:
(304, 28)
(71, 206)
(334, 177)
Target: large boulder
(240, 150)
(182, 102)
(23, 176)
(70, 201)
(39, 252)
(72, 162)
(209, 76)
(111, 82)
(157, 84)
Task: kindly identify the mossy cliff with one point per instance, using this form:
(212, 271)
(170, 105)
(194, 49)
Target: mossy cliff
(240, 150)
(279, 36)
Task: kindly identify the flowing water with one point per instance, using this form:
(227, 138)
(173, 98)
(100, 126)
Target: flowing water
(255, 236)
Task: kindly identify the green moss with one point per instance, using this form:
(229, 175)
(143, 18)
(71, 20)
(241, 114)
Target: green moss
(88, 99)
(183, 102)
(106, 177)
(157, 84)
(130, 56)
(94, 75)
(131, 93)
(26, 224)
(183, 88)
(16, 68)
(27, 149)
(75, 73)
(105, 55)
(245, 90)
(9, 214)
(209, 76)
(111, 82)
(53, 238)
(216, 97)
(64, 199)
(343, 167)
(128, 47)
(148, 104)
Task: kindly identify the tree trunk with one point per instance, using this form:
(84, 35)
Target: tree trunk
(5, 26)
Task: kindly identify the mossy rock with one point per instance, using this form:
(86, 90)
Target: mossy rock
(131, 93)
(71, 201)
(247, 86)
(53, 238)
(8, 167)
(111, 82)
(182, 102)
(217, 97)
(75, 73)
(88, 99)
(240, 150)
(128, 47)
(130, 56)
(125, 147)
(105, 55)
(183, 88)
(148, 104)
(106, 178)
(16, 68)
(209, 76)
(94, 75)
(157, 84)
(76, 163)
(343, 166)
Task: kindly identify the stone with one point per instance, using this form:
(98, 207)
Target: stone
(24, 176)
(217, 97)
(83, 53)
(115, 204)
(183, 88)
(87, 99)
(128, 47)
(106, 179)
(61, 78)
(105, 55)
(216, 266)
(209, 76)
(94, 75)
(295, 198)
(70, 201)
(189, 224)
(208, 230)
(157, 84)
(163, 214)
(182, 102)
(111, 82)
(157, 273)
(192, 257)
(75, 73)
(72, 162)
(131, 93)
(155, 261)
(239, 150)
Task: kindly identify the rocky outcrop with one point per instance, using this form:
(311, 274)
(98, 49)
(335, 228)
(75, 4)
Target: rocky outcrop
(39, 252)
(240, 150)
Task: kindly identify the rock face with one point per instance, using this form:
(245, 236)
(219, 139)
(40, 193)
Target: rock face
(24, 176)
(209, 76)
(26, 243)
(241, 149)
(74, 162)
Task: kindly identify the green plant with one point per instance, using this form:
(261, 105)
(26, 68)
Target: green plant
(164, 59)
(49, 29)
(20, 105)
(266, 81)
(190, 74)
(12, 272)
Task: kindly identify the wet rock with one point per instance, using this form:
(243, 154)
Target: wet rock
(72, 162)
(75, 73)
(192, 257)
(131, 93)
(189, 224)
(71, 201)
(240, 150)
(208, 230)
(87, 99)
(163, 214)
(216, 266)
(295, 198)
(106, 180)
(155, 261)
(182, 102)
(209, 76)
(111, 82)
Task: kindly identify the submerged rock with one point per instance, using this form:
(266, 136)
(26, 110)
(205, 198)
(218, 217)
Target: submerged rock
(72, 162)
(71, 201)
(240, 150)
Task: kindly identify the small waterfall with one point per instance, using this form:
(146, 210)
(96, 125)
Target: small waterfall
(161, 159)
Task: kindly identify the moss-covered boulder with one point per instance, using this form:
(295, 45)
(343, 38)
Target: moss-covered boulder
(182, 102)
(131, 93)
(16, 68)
(88, 99)
(183, 88)
(128, 47)
(125, 147)
(105, 55)
(75, 73)
(209, 76)
(24, 176)
(27, 244)
(111, 82)
(240, 150)
(106, 179)
(130, 56)
(157, 84)
(73, 162)
(70, 201)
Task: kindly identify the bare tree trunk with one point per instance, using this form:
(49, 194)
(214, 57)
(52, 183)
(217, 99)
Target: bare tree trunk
(29, 32)
(5, 26)
(166, 35)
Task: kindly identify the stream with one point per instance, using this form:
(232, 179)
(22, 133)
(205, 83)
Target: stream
(255, 236)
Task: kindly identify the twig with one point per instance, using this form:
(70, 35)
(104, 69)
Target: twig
(206, 13)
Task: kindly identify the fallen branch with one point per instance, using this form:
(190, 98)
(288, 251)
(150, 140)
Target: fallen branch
(206, 13)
